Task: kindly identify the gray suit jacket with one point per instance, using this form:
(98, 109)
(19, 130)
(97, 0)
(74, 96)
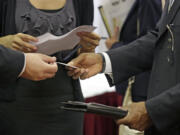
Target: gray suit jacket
(159, 50)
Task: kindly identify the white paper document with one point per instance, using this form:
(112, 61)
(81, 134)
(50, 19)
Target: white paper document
(49, 44)
(66, 65)
(115, 13)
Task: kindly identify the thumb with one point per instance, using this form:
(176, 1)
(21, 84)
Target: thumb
(122, 121)
(76, 61)
(51, 68)
(48, 59)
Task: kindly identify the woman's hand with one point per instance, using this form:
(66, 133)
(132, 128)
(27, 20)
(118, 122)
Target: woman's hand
(89, 41)
(19, 42)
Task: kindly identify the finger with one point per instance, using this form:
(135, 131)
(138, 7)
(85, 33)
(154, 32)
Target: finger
(78, 74)
(90, 35)
(87, 48)
(119, 107)
(76, 61)
(17, 47)
(47, 59)
(108, 43)
(116, 33)
(122, 121)
(84, 76)
(23, 49)
(70, 73)
(74, 72)
(69, 68)
(72, 63)
(93, 70)
(125, 120)
(86, 45)
(27, 37)
(88, 41)
(23, 44)
(51, 68)
(125, 108)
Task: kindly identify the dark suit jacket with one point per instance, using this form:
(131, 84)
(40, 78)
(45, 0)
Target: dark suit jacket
(160, 51)
(11, 65)
(146, 14)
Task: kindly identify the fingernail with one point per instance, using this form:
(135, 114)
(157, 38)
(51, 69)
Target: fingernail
(54, 58)
(71, 63)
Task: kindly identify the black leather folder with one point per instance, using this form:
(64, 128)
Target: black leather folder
(95, 108)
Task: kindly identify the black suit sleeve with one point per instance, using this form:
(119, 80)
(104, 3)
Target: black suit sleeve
(134, 58)
(164, 109)
(11, 65)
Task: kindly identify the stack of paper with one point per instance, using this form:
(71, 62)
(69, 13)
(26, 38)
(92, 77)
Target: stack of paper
(114, 13)
(49, 44)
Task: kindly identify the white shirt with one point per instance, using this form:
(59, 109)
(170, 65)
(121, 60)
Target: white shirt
(108, 66)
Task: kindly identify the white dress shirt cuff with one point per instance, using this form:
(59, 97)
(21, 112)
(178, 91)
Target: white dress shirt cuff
(22, 71)
(108, 66)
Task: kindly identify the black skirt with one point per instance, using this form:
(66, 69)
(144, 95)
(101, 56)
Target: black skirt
(37, 109)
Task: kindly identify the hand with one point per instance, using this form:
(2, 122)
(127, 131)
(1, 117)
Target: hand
(113, 39)
(137, 117)
(19, 42)
(89, 41)
(39, 67)
(89, 65)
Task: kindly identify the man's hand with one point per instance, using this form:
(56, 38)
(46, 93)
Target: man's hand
(39, 67)
(137, 117)
(89, 65)
(89, 41)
